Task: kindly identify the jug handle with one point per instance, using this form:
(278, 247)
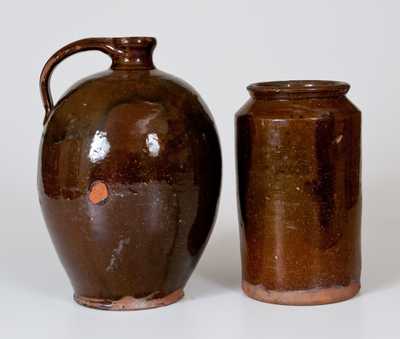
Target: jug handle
(99, 44)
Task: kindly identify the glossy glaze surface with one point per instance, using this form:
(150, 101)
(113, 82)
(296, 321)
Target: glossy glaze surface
(129, 178)
(298, 163)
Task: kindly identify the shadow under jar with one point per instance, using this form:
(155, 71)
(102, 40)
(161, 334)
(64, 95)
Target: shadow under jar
(129, 177)
(299, 191)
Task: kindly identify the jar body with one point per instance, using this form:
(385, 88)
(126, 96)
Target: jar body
(129, 179)
(298, 163)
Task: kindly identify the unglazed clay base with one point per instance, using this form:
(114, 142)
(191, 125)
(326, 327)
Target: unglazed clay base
(317, 296)
(129, 303)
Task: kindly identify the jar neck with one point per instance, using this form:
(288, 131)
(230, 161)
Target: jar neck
(297, 89)
(135, 53)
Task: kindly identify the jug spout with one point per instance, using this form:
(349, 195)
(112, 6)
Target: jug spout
(133, 52)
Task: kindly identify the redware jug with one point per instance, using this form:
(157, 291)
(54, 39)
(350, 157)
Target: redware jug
(129, 177)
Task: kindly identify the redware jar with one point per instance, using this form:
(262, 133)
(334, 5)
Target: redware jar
(298, 165)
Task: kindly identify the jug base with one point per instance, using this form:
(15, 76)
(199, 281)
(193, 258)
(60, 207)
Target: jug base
(129, 303)
(315, 296)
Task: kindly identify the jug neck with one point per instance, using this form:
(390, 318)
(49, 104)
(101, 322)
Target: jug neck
(135, 53)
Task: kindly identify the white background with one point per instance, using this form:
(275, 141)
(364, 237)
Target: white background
(219, 47)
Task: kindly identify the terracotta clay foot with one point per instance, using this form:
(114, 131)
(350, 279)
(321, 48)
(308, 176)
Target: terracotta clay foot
(129, 303)
(316, 296)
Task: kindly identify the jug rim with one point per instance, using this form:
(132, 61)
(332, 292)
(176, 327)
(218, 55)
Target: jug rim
(137, 41)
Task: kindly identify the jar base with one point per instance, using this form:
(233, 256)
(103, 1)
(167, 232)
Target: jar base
(129, 303)
(316, 296)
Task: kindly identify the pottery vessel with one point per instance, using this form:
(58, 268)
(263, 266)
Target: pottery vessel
(129, 177)
(298, 167)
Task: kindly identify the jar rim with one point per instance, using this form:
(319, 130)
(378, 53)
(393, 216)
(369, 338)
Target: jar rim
(298, 88)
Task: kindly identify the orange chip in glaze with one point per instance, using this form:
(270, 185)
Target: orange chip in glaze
(98, 192)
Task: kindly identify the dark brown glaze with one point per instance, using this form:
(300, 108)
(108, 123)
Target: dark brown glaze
(298, 166)
(129, 178)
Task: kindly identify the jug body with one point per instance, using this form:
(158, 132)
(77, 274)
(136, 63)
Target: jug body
(129, 179)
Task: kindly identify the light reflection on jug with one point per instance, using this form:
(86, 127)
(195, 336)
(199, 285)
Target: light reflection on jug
(152, 144)
(99, 147)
